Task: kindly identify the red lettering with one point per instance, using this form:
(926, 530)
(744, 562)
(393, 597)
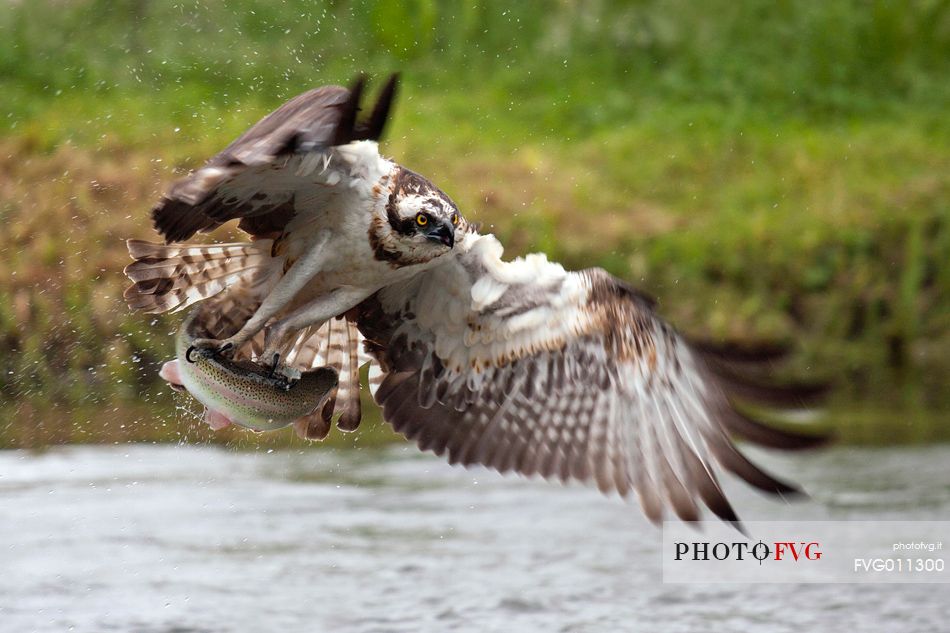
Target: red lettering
(797, 550)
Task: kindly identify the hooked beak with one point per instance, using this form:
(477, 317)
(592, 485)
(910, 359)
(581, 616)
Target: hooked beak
(444, 233)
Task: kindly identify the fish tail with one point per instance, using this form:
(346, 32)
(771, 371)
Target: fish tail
(174, 276)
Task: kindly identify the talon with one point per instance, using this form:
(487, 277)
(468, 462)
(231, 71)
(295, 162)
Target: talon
(285, 376)
(213, 346)
(273, 367)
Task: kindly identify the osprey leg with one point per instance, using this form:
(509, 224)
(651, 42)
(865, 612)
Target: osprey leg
(292, 282)
(316, 313)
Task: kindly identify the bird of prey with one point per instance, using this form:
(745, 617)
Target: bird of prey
(516, 365)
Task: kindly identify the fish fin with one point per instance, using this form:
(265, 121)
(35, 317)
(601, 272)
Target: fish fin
(215, 419)
(312, 427)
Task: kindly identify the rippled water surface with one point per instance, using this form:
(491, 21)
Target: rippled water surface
(187, 539)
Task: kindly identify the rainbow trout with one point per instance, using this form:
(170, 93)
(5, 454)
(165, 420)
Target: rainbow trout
(242, 392)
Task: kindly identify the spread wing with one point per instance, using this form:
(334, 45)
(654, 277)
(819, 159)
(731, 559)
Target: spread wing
(522, 366)
(261, 177)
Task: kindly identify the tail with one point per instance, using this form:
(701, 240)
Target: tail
(174, 276)
(336, 344)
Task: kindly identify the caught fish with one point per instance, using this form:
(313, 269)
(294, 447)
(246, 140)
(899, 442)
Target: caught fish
(242, 391)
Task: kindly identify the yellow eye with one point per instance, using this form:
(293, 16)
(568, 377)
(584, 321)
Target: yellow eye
(422, 219)
(455, 219)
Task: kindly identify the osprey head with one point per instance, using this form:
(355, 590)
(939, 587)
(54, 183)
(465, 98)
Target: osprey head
(419, 224)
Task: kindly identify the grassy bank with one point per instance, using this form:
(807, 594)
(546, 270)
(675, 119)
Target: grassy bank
(768, 171)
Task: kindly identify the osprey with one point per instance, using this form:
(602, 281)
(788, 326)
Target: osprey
(516, 365)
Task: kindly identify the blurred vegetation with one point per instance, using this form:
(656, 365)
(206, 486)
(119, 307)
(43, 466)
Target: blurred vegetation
(767, 169)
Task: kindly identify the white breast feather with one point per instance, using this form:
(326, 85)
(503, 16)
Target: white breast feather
(470, 333)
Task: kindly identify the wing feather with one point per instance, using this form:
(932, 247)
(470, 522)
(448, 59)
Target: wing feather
(271, 172)
(524, 366)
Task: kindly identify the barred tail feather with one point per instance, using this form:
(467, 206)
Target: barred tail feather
(339, 345)
(348, 391)
(174, 276)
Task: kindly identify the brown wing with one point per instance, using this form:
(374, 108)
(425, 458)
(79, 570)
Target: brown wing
(522, 366)
(256, 164)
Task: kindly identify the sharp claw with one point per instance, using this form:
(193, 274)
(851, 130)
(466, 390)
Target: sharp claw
(285, 376)
(279, 377)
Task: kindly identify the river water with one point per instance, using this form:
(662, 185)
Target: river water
(187, 539)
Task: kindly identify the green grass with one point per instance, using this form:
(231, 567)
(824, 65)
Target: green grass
(768, 170)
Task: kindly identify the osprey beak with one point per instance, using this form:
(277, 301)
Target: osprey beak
(442, 232)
